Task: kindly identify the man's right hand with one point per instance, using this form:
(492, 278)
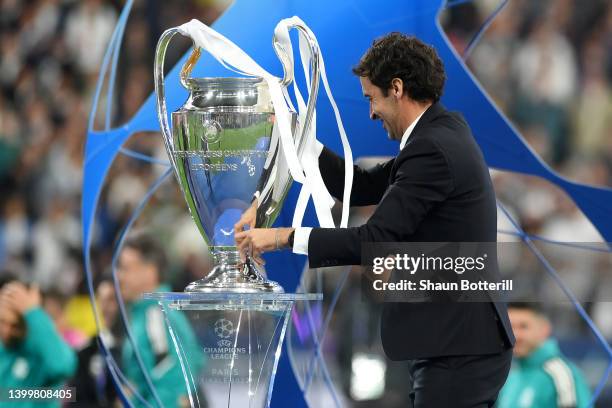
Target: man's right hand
(248, 218)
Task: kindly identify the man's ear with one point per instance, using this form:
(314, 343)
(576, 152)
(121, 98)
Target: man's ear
(397, 87)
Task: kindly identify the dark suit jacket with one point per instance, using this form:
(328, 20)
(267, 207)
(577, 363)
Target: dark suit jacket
(437, 189)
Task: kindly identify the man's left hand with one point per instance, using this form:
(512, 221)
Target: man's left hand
(256, 241)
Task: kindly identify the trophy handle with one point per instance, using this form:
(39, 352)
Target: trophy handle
(158, 76)
(288, 76)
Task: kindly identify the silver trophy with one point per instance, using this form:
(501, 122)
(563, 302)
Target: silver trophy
(221, 149)
(228, 328)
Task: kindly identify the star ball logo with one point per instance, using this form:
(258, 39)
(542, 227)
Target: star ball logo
(224, 328)
(226, 348)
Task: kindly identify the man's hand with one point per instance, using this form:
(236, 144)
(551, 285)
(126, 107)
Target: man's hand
(256, 241)
(248, 218)
(21, 299)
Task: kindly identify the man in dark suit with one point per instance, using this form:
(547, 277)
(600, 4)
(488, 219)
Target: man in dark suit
(437, 189)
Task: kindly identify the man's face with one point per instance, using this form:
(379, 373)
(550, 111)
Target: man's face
(107, 302)
(11, 326)
(383, 107)
(133, 272)
(530, 330)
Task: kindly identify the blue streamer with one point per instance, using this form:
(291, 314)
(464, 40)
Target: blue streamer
(113, 74)
(551, 241)
(114, 44)
(109, 359)
(139, 156)
(318, 354)
(553, 273)
(121, 22)
(472, 44)
(124, 317)
(117, 377)
(528, 238)
(113, 49)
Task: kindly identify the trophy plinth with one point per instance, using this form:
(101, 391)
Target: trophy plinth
(232, 351)
(230, 274)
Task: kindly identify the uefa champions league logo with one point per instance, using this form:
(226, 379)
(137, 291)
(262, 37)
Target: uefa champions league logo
(224, 329)
(226, 346)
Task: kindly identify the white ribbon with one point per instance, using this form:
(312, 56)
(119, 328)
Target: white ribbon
(310, 154)
(304, 169)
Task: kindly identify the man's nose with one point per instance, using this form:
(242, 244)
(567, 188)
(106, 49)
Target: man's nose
(373, 114)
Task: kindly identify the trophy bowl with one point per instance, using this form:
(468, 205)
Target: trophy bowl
(220, 143)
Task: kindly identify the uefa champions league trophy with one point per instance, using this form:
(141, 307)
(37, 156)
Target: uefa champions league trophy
(223, 147)
(218, 146)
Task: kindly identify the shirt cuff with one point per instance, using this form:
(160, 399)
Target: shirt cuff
(256, 197)
(300, 240)
(319, 148)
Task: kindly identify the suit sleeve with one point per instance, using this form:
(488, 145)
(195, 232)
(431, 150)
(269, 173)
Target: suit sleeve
(368, 185)
(423, 179)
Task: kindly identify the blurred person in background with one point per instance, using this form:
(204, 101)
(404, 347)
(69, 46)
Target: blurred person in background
(16, 225)
(541, 377)
(93, 379)
(54, 303)
(141, 265)
(546, 74)
(32, 352)
(88, 28)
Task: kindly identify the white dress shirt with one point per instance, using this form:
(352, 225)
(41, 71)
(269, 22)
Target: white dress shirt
(302, 234)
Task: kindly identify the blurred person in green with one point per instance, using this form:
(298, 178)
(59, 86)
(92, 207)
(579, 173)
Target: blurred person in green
(540, 377)
(140, 269)
(32, 352)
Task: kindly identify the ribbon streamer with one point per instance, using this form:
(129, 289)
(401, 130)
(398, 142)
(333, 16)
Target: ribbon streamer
(302, 167)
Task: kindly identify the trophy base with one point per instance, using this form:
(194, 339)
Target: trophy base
(228, 344)
(230, 275)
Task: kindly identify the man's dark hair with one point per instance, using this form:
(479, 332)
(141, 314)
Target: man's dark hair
(533, 307)
(397, 55)
(6, 278)
(150, 250)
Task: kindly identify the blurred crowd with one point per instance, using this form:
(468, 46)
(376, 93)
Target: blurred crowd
(547, 65)
(51, 51)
